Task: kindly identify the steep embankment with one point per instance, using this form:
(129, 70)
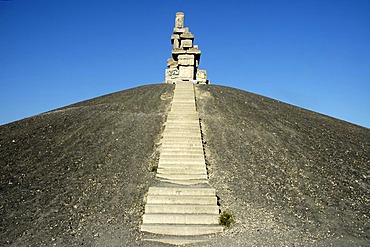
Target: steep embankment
(289, 175)
(77, 175)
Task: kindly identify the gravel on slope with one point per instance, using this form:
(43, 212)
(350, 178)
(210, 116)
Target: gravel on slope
(289, 176)
(78, 175)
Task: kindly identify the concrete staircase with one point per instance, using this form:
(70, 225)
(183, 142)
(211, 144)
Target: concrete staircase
(183, 208)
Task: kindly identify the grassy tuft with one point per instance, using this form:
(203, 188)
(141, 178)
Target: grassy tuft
(154, 168)
(226, 218)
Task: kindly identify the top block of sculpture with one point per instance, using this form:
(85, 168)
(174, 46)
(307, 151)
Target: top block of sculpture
(183, 65)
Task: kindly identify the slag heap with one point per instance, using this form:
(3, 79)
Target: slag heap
(185, 56)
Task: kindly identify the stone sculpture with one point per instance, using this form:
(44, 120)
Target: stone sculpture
(185, 56)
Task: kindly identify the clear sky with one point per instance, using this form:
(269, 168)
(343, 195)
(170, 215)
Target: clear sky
(313, 54)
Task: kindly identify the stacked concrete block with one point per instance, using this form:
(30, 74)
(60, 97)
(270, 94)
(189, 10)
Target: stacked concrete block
(183, 65)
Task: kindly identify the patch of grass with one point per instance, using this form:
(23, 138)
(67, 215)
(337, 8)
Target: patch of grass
(154, 168)
(226, 218)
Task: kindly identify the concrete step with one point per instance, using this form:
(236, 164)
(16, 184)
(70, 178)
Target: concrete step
(183, 118)
(182, 113)
(181, 147)
(182, 127)
(186, 209)
(181, 230)
(168, 136)
(183, 98)
(198, 151)
(191, 127)
(174, 139)
(182, 137)
(189, 191)
(184, 132)
(163, 163)
(186, 119)
(181, 144)
(176, 133)
(181, 134)
(180, 140)
(181, 199)
(170, 146)
(182, 123)
(193, 103)
(183, 108)
(180, 155)
(185, 182)
(182, 176)
(173, 169)
(185, 127)
(182, 162)
(176, 241)
(190, 104)
(174, 157)
(182, 170)
(186, 219)
(179, 167)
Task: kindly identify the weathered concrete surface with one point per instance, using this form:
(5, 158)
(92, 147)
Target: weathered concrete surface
(184, 62)
(170, 208)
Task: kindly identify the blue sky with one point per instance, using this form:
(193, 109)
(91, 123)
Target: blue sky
(313, 54)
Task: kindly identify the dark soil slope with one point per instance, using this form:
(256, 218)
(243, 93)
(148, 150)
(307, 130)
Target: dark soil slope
(78, 175)
(288, 175)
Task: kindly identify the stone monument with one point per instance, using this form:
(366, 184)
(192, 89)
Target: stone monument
(185, 56)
